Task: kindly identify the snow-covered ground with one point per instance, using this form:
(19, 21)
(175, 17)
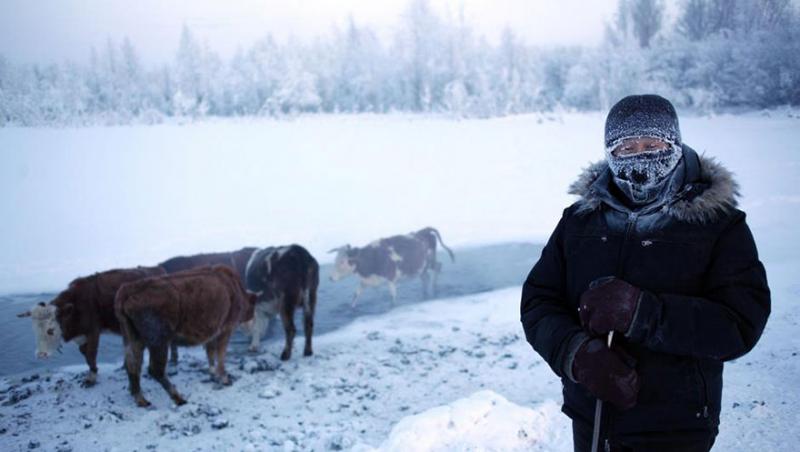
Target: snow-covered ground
(77, 200)
(362, 380)
(453, 374)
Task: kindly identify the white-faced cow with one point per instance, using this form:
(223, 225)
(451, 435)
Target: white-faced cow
(284, 278)
(387, 260)
(81, 312)
(195, 307)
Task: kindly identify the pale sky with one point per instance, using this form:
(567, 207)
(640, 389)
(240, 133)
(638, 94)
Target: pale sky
(56, 30)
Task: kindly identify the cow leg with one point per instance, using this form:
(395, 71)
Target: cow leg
(89, 351)
(437, 267)
(134, 350)
(157, 369)
(260, 324)
(393, 290)
(426, 281)
(357, 293)
(221, 348)
(210, 355)
(173, 354)
(287, 317)
(309, 306)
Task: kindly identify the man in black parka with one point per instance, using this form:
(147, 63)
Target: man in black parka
(656, 252)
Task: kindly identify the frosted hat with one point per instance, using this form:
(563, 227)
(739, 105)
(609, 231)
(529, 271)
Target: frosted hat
(646, 115)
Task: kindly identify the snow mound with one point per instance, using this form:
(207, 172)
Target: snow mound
(484, 421)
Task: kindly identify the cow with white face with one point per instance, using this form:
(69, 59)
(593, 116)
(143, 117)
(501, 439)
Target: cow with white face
(45, 329)
(387, 260)
(81, 313)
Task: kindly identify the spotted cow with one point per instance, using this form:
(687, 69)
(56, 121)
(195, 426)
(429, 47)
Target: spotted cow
(285, 278)
(387, 260)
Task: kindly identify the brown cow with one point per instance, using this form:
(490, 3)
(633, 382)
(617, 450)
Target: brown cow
(195, 307)
(389, 259)
(81, 312)
(235, 259)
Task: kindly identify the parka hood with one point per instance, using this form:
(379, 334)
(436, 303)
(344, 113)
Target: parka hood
(710, 189)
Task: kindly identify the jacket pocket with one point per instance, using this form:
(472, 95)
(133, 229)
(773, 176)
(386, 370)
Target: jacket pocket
(588, 257)
(668, 265)
(587, 243)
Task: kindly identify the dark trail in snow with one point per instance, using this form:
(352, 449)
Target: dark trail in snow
(477, 269)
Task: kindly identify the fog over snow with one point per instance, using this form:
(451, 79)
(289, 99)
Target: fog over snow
(81, 200)
(43, 31)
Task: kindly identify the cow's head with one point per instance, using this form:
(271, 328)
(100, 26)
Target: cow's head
(45, 328)
(250, 308)
(345, 263)
(69, 319)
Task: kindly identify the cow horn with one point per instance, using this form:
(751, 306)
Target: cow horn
(24, 314)
(336, 250)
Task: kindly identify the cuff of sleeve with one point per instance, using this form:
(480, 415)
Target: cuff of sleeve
(644, 318)
(573, 346)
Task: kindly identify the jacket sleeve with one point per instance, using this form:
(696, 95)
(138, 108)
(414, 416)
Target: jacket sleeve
(550, 326)
(723, 324)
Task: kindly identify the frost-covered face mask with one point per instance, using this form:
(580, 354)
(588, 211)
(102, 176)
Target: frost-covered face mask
(642, 176)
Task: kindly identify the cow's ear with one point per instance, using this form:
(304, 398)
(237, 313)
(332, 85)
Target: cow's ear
(24, 314)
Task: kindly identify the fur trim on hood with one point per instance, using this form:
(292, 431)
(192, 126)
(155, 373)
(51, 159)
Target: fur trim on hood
(708, 194)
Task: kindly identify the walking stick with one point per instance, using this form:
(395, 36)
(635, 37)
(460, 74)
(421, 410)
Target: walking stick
(598, 410)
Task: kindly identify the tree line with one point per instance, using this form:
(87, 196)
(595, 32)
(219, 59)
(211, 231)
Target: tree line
(716, 54)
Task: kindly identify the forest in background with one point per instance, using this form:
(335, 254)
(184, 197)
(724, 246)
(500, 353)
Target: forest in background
(713, 55)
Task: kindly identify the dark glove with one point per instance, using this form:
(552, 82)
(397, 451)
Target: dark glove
(609, 374)
(608, 305)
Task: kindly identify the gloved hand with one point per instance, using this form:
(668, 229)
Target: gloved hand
(608, 305)
(609, 374)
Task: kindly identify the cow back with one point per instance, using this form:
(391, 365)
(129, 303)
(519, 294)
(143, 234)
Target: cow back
(193, 306)
(412, 253)
(236, 259)
(92, 299)
(275, 270)
(428, 237)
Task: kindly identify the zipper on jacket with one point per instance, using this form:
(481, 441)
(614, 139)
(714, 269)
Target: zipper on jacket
(628, 226)
(704, 413)
(620, 255)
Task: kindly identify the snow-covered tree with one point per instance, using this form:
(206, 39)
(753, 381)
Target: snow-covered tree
(647, 17)
(719, 54)
(693, 21)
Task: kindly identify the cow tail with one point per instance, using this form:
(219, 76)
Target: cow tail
(126, 326)
(439, 237)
